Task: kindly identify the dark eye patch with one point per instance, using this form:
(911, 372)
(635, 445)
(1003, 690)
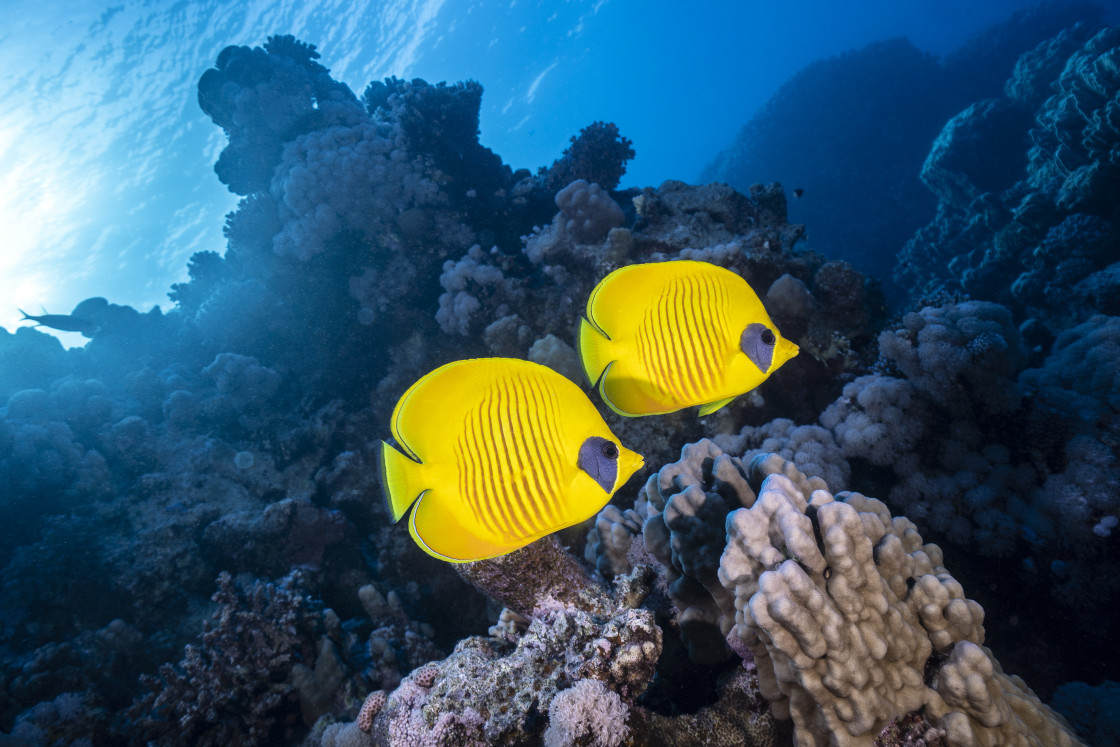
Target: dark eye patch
(598, 457)
(757, 342)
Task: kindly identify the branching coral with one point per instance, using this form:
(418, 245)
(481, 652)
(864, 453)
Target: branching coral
(683, 507)
(813, 448)
(235, 686)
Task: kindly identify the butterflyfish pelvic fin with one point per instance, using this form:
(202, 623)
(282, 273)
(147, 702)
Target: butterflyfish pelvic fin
(711, 407)
(400, 480)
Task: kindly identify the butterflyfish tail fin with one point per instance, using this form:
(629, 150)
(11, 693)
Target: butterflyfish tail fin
(400, 480)
(594, 351)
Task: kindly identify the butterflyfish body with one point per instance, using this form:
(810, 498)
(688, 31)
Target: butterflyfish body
(495, 453)
(664, 336)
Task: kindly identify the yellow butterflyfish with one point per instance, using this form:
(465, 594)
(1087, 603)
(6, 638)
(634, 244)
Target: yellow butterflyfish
(664, 336)
(495, 453)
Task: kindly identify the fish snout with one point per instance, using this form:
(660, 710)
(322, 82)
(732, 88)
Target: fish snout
(629, 462)
(786, 350)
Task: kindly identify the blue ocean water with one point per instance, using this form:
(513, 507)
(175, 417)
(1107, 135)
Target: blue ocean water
(245, 230)
(107, 157)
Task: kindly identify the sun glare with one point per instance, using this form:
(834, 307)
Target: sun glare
(35, 217)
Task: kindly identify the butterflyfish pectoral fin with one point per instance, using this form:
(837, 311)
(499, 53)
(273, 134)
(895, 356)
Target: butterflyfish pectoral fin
(711, 407)
(400, 480)
(440, 535)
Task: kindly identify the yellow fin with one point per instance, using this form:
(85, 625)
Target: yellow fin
(607, 397)
(438, 533)
(617, 303)
(437, 401)
(711, 407)
(399, 480)
(594, 351)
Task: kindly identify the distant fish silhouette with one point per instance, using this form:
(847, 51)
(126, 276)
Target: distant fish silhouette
(61, 322)
(797, 192)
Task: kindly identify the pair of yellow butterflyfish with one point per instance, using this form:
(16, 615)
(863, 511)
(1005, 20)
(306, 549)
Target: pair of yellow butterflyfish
(495, 453)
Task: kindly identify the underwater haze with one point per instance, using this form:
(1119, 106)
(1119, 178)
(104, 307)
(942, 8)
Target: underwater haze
(585, 373)
(106, 156)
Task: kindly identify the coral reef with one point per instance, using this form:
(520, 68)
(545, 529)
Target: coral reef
(851, 133)
(233, 438)
(1026, 184)
(234, 686)
(574, 670)
(995, 459)
(849, 618)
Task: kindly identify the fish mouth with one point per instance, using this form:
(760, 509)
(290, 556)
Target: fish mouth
(629, 462)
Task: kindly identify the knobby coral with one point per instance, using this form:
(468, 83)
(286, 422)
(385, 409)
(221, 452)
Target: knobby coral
(852, 621)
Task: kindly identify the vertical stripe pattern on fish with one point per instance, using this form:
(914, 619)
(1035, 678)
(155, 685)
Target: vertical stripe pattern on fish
(495, 453)
(660, 337)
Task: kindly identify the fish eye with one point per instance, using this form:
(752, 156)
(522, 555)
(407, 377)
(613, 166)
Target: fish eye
(609, 450)
(768, 337)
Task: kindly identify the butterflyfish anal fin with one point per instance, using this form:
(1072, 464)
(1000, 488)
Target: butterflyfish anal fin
(439, 534)
(605, 394)
(711, 407)
(400, 480)
(594, 351)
